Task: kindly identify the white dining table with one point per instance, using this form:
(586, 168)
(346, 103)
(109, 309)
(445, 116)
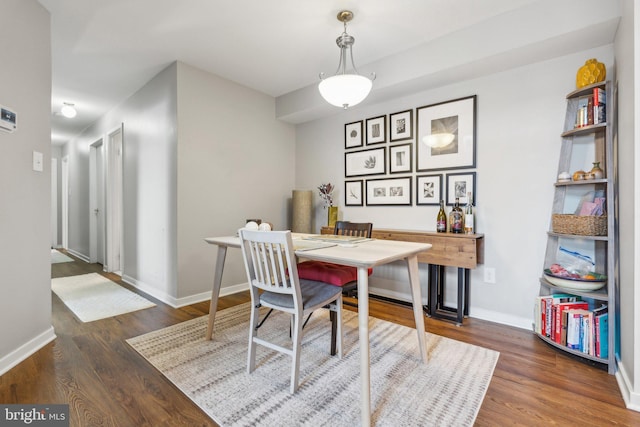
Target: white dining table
(362, 255)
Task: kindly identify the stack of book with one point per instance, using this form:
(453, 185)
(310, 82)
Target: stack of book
(570, 322)
(592, 109)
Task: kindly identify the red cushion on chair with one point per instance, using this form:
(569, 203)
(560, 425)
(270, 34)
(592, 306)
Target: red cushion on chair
(327, 272)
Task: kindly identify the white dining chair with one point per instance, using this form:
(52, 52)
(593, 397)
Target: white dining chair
(270, 263)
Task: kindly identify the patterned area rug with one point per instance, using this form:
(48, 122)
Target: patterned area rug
(93, 297)
(57, 257)
(448, 391)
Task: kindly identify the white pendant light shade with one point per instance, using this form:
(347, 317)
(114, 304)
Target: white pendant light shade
(345, 90)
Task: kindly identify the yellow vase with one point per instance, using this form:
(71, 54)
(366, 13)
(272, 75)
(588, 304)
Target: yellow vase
(591, 72)
(333, 215)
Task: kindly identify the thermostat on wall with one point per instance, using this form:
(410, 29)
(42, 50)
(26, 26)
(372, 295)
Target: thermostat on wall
(8, 119)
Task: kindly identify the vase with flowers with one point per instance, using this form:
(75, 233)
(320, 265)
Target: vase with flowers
(326, 194)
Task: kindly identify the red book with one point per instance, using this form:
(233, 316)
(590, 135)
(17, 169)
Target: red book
(559, 308)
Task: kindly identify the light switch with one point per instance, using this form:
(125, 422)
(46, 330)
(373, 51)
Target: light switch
(37, 161)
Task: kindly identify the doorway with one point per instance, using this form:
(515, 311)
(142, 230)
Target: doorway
(65, 202)
(96, 203)
(114, 202)
(54, 203)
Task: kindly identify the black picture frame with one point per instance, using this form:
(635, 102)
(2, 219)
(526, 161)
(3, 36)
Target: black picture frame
(389, 192)
(456, 118)
(458, 185)
(353, 135)
(429, 190)
(365, 162)
(401, 126)
(353, 195)
(401, 158)
(376, 130)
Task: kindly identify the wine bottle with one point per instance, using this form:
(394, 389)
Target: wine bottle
(456, 218)
(441, 222)
(468, 216)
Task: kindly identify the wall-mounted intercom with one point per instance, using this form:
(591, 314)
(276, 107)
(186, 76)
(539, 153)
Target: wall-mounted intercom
(8, 119)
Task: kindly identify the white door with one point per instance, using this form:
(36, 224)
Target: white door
(114, 201)
(54, 203)
(65, 202)
(96, 203)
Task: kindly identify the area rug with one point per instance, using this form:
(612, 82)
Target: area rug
(93, 297)
(58, 257)
(448, 391)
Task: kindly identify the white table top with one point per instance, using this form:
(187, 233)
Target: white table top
(363, 254)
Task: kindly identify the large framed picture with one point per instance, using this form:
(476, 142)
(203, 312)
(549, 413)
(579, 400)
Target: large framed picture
(365, 162)
(353, 193)
(460, 185)
(400, 158)
(446, 135)
(353, 135)
(376, 130)
(389, 192)
(401, 126)
(428, 189)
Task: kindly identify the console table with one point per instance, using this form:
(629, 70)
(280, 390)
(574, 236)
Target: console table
(462, 251)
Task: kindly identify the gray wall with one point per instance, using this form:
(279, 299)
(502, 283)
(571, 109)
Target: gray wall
(520, 115)
(235, 161)
(25, 195)
(189, 138)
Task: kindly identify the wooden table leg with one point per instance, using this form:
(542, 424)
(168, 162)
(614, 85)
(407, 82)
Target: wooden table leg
(363, 330)
(215, 292)
(416, 294)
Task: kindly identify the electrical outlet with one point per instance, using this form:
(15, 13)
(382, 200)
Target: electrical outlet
(489, 275)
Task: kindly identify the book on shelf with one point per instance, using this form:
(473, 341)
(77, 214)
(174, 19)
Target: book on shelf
(591, 109)
(547, 312)
(601, 330)
(599, 105)
(559, 309)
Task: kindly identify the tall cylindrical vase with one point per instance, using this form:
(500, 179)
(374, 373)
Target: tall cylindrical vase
(333, 216)
(301, 205)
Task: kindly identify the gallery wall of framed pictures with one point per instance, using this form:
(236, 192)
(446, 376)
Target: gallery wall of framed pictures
(416, 156)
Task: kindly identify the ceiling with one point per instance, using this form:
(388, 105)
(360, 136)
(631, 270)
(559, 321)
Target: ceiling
(104, 51)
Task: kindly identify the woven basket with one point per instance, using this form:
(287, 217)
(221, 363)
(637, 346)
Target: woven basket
(584, 225)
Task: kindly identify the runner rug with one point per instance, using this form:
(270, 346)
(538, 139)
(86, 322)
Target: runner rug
(57, 257)
(93, 297)
(447, 391)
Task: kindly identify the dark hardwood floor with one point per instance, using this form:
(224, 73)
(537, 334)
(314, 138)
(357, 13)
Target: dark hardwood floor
(105, 382)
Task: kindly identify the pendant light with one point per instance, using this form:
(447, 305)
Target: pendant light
(345, 89)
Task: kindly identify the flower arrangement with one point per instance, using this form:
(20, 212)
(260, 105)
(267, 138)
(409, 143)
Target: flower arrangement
(325, 191)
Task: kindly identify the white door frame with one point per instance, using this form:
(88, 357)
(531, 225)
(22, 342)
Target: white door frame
(54, 202)
(114, 207)
(65, 202)
(96, 202)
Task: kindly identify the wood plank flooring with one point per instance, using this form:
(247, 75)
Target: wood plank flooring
(106, 383)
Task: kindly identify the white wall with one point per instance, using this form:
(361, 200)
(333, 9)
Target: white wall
(25, 195)
(520, 115)
(628, 72)
(235, 161)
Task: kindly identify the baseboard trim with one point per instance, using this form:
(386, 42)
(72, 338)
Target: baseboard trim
(630, 397)
(79, 255)
(184, 301)
(24, 351)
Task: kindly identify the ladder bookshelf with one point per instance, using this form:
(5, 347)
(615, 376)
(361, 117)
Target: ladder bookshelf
(581, 146)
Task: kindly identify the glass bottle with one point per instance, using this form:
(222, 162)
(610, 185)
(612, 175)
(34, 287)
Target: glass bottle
(456, 218)
(468, 216)
(441, 221)
(597, 172)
